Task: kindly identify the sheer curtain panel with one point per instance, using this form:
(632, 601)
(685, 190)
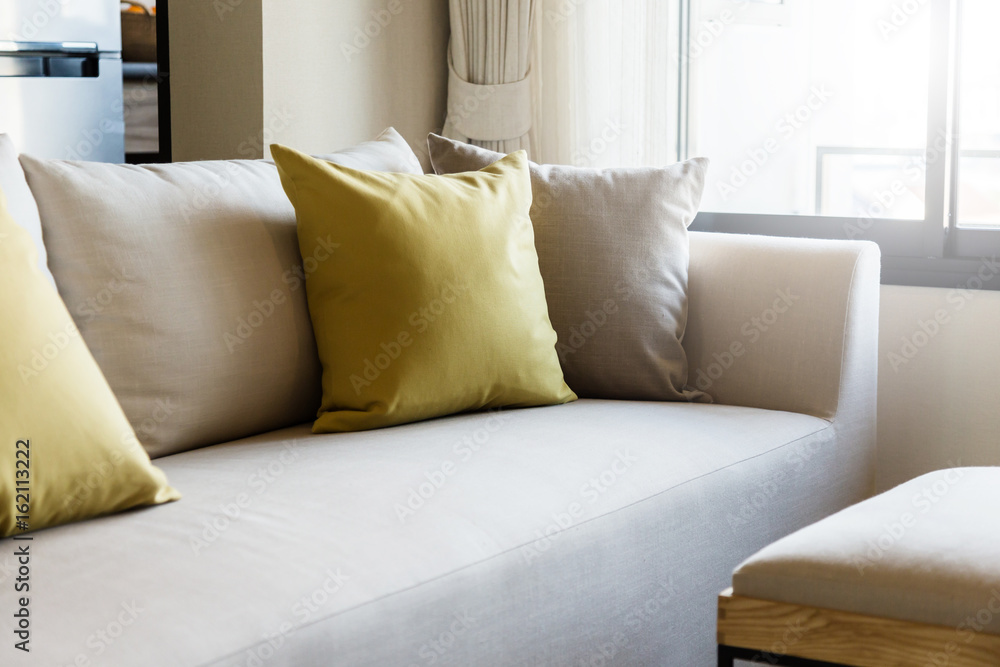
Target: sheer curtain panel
(606, 82)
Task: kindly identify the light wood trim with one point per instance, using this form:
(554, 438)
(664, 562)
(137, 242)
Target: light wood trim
(849, 639)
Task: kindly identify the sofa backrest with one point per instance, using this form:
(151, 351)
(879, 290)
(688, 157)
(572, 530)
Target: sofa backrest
(186, 282)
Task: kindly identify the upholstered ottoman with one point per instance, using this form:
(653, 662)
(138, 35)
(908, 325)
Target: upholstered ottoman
(909, 577)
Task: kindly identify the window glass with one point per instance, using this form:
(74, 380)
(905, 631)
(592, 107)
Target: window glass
(979, 115)
(811, 107)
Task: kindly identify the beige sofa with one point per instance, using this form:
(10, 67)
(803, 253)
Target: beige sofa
(592, 533)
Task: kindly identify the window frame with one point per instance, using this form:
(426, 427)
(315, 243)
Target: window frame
(932, 252)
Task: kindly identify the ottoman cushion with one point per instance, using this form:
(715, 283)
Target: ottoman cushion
(927, 551)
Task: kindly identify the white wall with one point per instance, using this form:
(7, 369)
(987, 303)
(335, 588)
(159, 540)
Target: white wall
(939, 381)
(313, 74)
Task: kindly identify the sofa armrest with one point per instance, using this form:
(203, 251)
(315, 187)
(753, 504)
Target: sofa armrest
(784, 323)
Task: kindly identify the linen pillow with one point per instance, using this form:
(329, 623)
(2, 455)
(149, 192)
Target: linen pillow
(68, 451)
(613, 251)
(20, 203)
(433, 304)
(187, 284)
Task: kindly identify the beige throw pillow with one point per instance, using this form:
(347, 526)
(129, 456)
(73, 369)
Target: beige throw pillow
(613, 251)
(186, 282)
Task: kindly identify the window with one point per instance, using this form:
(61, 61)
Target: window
(979, 115)
(875, 119)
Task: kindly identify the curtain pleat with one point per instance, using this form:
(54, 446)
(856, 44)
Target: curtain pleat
(489, 91)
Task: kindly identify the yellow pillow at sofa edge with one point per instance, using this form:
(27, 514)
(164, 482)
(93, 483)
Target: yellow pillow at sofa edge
(65, 438)
(461, 245)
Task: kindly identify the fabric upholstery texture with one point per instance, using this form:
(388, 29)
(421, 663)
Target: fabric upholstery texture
(186, 282)
(613, 250)
(68, 451)
(432, 302)
(599, 530)
(785, 324)
(20, 202)
(300, 541)
(926, 551)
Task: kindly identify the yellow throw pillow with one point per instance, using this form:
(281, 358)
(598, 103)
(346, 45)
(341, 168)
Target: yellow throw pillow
(425, 296)
(67, 453)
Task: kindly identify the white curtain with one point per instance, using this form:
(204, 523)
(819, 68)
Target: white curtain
(605, 79)
(489, 86)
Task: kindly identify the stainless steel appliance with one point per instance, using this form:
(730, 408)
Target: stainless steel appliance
(61, 78)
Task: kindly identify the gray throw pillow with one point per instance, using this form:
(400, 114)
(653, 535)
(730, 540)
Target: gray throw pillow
(186, 282)
(613, 252)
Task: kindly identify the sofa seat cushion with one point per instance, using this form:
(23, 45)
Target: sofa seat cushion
(363, 548)
(927, 551)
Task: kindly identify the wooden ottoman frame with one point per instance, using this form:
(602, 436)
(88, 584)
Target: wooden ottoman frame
(778, 633)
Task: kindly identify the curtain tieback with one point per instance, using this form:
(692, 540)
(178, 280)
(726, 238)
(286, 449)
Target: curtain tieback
(489, 112)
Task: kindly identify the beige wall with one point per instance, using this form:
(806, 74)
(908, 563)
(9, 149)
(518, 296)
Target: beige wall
(314, 74)
(343, 71)
(216, 74)
(939, 381)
